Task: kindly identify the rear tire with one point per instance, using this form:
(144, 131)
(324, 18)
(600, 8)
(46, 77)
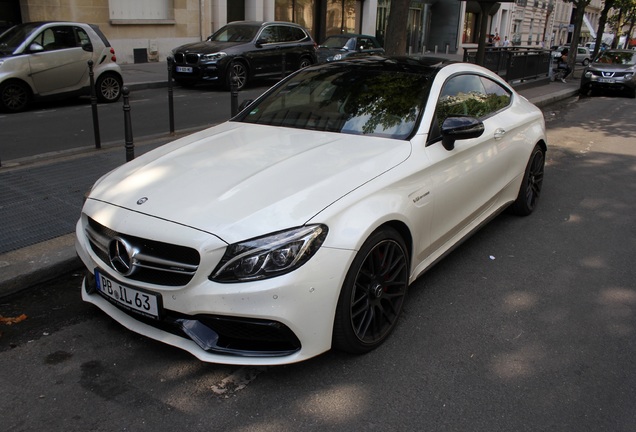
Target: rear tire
(15, 96)
(373, 293)
(531, 184)
(108, 87)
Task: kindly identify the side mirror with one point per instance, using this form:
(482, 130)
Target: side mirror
(245, 104)
(88, 47)
(458, 128)
(35, 47)
(260, 42)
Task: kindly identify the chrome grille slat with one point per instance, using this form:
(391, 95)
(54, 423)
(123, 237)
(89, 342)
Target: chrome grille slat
(156, 262)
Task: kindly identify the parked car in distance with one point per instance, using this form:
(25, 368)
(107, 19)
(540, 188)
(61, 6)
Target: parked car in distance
(592, 45)
(299, 225)
(583, 54)
(613, 70)
(341, 46)
(244, 50)
(50, 59)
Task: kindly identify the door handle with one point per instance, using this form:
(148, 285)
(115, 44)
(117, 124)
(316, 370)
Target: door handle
(499, 133)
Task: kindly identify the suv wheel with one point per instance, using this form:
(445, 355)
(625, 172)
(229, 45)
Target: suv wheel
(14, 96)
(238, 70)
(304, 62)
(108, 87)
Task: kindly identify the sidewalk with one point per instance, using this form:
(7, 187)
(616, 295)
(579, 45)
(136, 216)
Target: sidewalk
(40, 199)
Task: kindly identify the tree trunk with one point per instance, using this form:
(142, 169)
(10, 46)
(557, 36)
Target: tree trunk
(578, 23)
(395, 40)
(601, 26)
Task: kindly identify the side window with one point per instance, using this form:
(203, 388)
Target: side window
(364, 44)
(497, 97)
(297, 34)
(458, 97)
(469, 95)
(268, 35)
(57, 38)
(82, 36)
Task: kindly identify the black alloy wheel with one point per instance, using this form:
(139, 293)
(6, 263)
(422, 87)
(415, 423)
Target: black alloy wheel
(531, 184)
(373, 294)
(14, 96)
(304, 62)
(238, 70)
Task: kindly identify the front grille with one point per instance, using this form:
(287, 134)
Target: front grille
(183, 58)
(155, 262)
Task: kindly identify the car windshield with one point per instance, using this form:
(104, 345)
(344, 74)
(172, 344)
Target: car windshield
(617, 57)
(235, 33)
(353, 100)
(335, 42)
(13, 37)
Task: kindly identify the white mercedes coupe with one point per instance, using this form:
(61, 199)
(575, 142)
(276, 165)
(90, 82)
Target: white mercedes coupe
(298, 225)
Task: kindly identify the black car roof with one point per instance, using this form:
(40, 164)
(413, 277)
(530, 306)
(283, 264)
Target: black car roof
(422, 64)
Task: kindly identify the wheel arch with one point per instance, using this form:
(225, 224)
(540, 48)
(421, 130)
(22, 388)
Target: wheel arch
(26, 83)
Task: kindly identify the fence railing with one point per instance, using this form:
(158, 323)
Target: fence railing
(514, 63)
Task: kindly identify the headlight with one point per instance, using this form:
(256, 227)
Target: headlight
(269, 256)
(337, 57)
(213, 56)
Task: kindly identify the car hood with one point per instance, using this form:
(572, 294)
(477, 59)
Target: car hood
(207, 47)
(238, 180)
(612, 67)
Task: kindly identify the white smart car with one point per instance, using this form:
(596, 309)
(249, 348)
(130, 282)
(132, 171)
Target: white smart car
(298, 225)
(50, 59)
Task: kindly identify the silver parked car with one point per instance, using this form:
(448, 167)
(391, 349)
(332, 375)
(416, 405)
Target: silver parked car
(45, 59)
(611, 70)
(583, 54)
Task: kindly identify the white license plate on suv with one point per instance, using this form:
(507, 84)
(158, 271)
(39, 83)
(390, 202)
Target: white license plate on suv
(142, 302)
(607, 80)
(184, 69)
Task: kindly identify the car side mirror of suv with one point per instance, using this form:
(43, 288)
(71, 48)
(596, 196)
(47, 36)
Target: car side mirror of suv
(458, 128)
(260, 42)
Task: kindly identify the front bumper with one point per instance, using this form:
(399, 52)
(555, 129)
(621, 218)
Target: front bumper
(281, 320)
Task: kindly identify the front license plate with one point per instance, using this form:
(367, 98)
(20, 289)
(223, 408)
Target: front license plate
(142, 302)
(607, 80)
(184, 69)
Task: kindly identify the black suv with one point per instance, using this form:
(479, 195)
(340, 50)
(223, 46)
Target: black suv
(244, 49)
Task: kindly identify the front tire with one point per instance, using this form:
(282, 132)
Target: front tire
(239, 70)
(108, 87)
(304, 62)
(531, 184)
(15, 96)
(373, 293)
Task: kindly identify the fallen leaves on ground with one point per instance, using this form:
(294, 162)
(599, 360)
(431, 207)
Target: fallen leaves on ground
(12, 320)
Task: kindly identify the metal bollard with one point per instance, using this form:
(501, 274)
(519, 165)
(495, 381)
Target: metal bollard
(91, 74)
(130, 146)
(234, 95)
(170, 97)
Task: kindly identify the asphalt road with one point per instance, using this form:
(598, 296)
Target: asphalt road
(69, 124)
(527, 326)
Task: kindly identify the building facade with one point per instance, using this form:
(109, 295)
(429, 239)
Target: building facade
(147, 30)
